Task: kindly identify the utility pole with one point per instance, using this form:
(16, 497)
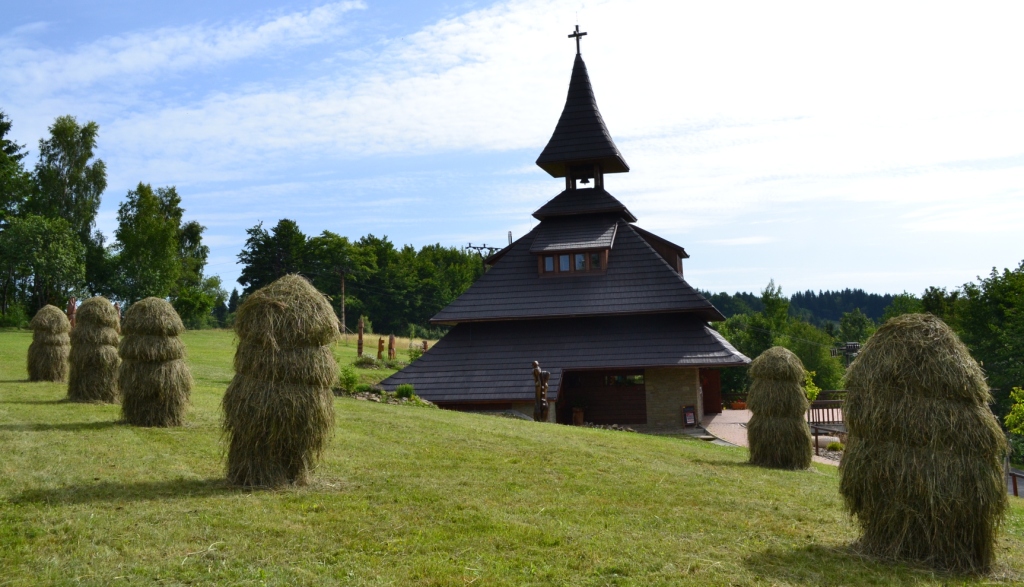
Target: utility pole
(344, 330)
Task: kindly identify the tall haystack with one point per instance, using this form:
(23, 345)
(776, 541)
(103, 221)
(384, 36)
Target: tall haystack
(777, 431)
(279, 409)
(93, 357)
(48, 353)
(154, 379)
(922, 470)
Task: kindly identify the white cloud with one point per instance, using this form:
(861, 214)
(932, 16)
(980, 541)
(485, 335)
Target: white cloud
(133, 58)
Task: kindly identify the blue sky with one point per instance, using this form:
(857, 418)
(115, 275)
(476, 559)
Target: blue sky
(875, 145)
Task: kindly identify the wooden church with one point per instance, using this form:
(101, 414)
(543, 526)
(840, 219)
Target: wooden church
(600, 302)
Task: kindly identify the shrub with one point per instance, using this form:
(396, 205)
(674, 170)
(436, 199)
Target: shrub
(155, 381)
(348, 378)
(48, 353)
(835, 447)
(278, 408)
(415, 352)
(777, 432)
(366, 362)
(393, 363)
(93, 358)
(922, 470)
(364, 388)
(810, 388)
(15, 317)
(404, 390)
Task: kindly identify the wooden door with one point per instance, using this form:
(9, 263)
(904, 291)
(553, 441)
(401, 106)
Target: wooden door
(711, 385)
(618, 397)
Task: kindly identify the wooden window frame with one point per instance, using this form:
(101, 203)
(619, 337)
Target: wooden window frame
(572, 263)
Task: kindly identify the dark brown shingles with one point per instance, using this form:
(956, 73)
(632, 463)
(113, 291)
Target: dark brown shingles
(637, 281)
(583, 201)
(580, 134)
(576, 233)
(491, 361)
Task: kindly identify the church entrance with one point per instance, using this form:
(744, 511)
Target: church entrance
(606, 397)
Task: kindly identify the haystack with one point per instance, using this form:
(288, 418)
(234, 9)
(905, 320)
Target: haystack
(922, 470)
(48, 353)
(279, 409)
(777, 431)
(93, 357)
(154, 379)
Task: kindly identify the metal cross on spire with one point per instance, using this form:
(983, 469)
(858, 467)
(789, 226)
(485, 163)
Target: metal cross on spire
(577, 36)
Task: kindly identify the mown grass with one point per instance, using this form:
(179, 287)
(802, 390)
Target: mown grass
(410, 496)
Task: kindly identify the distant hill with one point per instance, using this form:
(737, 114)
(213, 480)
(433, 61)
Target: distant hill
(816, 308)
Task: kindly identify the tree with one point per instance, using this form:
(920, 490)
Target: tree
(268, 256)
(68, 182)
(991, 322)
(196, 305)
(42, 258)
(147, 259)
(192, 252)
(329, 258)
(233, 301)
(944, 304)
(15, 182)
(855, 326)
(904, 303)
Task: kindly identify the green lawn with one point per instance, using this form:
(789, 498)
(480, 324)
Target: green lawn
(409, 496)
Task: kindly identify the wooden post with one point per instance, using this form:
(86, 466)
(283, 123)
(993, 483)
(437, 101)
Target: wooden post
(344, 329)
(391, 347)
(359, 343)
(426, 346)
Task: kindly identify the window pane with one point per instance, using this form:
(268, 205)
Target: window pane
(581, 262)
(595, 261)
(549, 264)
(563, 262)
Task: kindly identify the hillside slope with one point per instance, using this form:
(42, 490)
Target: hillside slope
(408, 496)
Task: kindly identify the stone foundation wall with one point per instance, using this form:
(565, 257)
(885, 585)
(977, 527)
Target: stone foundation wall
(668, 390)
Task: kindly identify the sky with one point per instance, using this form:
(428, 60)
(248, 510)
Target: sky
(872, 145)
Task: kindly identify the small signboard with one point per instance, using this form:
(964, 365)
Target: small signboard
(689, 416)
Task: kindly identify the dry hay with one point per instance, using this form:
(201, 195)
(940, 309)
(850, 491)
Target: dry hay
(777, 431)
(154, 379)
(279, 409)
(48, 353)
(922, 469)
(93, 358)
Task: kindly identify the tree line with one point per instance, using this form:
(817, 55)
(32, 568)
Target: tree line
(397, 290)
(988, 315)
(50, 250)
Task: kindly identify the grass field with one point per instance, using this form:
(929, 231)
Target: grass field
(410, 496)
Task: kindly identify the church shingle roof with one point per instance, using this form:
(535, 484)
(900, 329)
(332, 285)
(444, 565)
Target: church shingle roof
(583, 201)
(637, 281)
(576, 233)
(581, 135)
(491, 361)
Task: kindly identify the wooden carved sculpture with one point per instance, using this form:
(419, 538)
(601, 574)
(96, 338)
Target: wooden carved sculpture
(391, 347)
(380, 349)
(540, 385)
(72, 307)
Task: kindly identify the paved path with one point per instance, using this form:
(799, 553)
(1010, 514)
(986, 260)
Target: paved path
(730, 426)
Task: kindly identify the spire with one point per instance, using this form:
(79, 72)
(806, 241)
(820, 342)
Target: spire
(580, 137)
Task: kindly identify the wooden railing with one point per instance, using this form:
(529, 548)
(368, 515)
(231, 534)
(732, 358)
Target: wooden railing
(825, 411)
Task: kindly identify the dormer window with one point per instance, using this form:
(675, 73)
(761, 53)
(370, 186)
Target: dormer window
(572, 263)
